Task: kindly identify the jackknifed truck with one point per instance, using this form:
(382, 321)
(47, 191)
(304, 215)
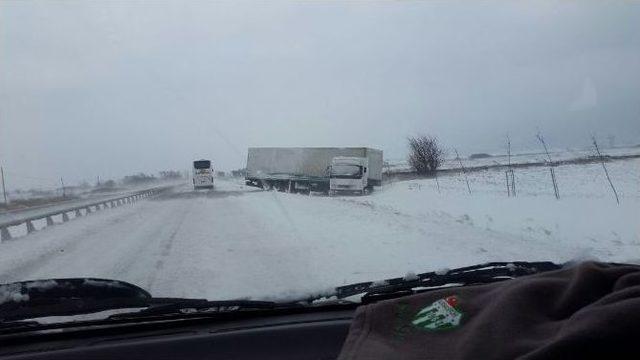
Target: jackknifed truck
(315, 169)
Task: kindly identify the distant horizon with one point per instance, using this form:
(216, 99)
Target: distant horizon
(448, 157)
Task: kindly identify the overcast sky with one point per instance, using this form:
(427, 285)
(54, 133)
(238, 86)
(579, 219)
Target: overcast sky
(114, 87)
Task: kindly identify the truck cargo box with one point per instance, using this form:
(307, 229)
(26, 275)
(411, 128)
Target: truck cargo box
(275, 164)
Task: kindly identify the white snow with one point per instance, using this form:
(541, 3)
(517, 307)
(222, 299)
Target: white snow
(84, 317)
(42, 284)
(12, 293)
(240, 242)
(527, 157)
(410, 276)
(102, 283)
(379, 283)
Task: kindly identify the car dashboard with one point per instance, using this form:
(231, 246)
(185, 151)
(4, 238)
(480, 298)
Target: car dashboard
(315, 334)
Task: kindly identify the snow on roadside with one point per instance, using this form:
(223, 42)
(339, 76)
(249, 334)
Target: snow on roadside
(520, 158)
(586, 217)
(235, 242)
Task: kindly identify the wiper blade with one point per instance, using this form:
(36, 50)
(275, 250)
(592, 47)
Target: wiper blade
(18, 325)
(178, 307)
(470, 275)
(66, 297)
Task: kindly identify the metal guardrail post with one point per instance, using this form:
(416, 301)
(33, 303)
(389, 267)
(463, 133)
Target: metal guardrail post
(30, 227)
(78, 213)
(5, 234)
(89, 211)
(65, 217)
(49, 221)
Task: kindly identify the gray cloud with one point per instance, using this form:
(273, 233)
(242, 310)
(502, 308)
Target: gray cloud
(109, 88)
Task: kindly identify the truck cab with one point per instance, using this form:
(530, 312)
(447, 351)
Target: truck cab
(349, 174)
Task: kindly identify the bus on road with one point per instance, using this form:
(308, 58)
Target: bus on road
(202, 174)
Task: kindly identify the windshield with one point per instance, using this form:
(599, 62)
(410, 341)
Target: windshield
(347, 171)
(491, 131)
(202, 164)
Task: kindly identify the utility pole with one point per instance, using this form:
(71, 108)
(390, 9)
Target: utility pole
(4, 189)
(63, 192)
(553, 173)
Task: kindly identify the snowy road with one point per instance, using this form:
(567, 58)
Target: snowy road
(238, 242)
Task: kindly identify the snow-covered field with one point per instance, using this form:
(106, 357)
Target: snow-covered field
(517, 158)
(237, 241)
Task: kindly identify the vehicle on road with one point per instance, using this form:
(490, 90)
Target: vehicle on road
(349, 174)
(318, 169)
(202, 174)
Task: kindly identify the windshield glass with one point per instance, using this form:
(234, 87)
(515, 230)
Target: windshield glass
(352, 171)
(491, 131)
(203, 164)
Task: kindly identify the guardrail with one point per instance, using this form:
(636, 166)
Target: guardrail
(77, 210)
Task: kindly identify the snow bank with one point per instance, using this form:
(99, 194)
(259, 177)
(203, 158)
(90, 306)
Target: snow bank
(12, 293)
(586, 217)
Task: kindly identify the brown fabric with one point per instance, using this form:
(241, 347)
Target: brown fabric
(591, 310)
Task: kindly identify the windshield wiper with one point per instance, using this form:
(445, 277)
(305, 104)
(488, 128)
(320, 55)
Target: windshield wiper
(67, 297)
(464, 276)
(70, 297)
(79, 296)
(171, 307)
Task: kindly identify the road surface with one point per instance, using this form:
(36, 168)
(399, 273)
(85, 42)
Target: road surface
(238, 242)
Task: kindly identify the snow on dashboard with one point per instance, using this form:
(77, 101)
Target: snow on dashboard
(12, 293)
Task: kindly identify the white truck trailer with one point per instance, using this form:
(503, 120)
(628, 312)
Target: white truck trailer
(328, 170)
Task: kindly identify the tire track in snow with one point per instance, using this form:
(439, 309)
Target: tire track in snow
(166, 250)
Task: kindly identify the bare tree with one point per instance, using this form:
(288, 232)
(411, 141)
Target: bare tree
(425, 154)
